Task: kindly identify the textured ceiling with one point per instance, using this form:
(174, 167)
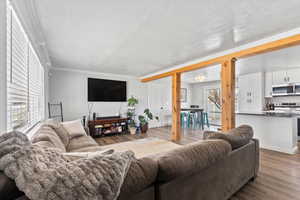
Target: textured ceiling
(138, 37)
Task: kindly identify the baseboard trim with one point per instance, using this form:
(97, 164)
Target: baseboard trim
(293, 150)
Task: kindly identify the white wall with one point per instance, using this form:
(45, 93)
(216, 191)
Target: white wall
(160, 102)
(70, 88)
(198, 92)
(189, 95)
(2, 66)
(197, 97)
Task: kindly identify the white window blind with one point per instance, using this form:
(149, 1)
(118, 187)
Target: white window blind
(36, 88)
(25, 83)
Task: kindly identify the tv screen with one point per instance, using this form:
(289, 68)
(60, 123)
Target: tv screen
(106, 90)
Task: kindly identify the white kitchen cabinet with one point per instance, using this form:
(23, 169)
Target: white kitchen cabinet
(274, 133)
(286, 76)
(293, 75)
(279, 77)
(268, 84)
(251, 96)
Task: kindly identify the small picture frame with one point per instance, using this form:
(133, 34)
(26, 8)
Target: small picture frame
(183, 95)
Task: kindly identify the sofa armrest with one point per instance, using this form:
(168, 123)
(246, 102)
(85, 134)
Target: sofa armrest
(141, 174)
(256, 142)
(191, 158)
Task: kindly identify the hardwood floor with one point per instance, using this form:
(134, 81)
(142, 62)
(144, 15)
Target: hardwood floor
(278, 178)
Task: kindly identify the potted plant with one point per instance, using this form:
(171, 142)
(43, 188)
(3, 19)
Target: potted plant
(131, 124)
(131, 102)
(144, 120)
(132, 128)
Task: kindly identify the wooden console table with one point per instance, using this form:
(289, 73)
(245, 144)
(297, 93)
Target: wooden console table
(108, 126)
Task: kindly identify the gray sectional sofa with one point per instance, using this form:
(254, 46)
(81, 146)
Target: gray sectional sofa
(210, 169)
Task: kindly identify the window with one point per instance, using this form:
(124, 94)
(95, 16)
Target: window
(25, 78)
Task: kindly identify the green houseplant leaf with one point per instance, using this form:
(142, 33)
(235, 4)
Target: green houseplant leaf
(132, 101)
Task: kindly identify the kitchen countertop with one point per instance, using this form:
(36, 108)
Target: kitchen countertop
(268, 114)
(271, 114)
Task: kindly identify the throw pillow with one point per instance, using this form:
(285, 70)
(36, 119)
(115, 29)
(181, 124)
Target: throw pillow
(60, 130)
(74, 128)
(47, 136)
(237, 137)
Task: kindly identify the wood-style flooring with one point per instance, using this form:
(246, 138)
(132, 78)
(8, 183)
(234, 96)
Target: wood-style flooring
(278, 178)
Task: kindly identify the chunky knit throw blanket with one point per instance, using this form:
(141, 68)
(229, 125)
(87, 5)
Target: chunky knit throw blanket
(44, 173)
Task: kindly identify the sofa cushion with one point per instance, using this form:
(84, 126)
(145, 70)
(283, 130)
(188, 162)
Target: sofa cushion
(49, 138)
(141, 174)
(60, 130)
(74, 128)
(191, 158)
(237, 137)
(81, 142)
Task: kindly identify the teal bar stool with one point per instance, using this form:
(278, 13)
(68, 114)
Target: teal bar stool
(205, 119)
(192, 120)
(200, 119)
(184, 119)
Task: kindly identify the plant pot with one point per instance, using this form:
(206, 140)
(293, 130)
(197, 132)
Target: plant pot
(144, 128)
(132, 130)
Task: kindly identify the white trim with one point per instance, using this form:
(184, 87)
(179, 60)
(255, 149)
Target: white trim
(91, 72)
(3, 63)
(222, 53)
(30, 132)
(293, 150)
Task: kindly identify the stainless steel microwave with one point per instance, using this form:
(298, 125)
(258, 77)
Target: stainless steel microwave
(283, 90)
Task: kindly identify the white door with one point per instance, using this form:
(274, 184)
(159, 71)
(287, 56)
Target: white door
(159, 97)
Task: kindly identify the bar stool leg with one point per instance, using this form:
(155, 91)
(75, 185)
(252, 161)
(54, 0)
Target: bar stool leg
(207, 122)
(202, 121)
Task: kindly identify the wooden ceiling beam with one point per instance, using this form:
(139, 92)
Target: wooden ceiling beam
(264, 48)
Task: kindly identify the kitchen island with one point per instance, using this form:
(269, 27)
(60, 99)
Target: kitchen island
(275, 131)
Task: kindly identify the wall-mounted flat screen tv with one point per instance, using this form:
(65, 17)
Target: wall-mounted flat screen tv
(106, 90)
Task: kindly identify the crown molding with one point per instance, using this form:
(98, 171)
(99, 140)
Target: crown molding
(92, 72)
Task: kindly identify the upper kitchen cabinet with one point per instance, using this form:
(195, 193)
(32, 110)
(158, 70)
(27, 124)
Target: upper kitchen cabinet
(250, 95)
(286, 76)
(268, 84)
(293, 75)
(279, 77)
